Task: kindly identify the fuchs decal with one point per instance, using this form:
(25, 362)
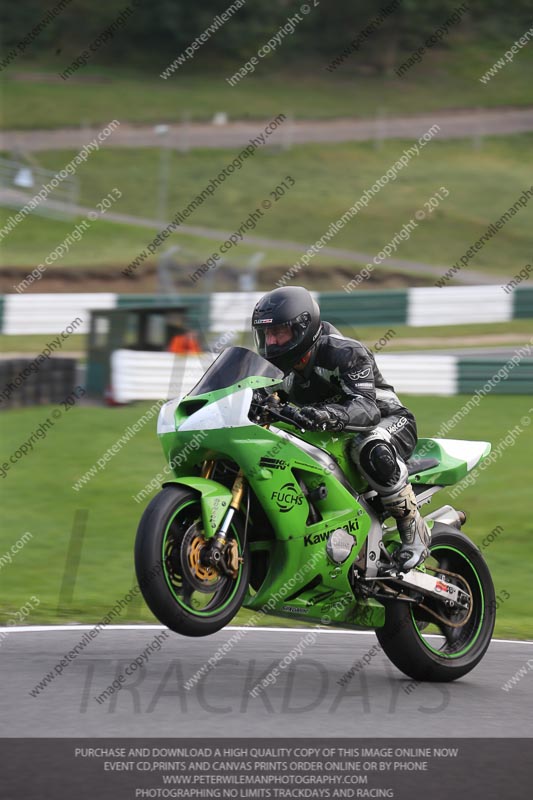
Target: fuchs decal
(287, 498)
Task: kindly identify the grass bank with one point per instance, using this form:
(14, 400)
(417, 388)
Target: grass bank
(35, 97)
(328, 180)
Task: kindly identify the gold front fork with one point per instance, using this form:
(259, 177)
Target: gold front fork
(219, 543)
(207, 468)
(237, 491)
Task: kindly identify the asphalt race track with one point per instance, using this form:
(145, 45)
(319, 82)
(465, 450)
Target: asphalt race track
(305, 700)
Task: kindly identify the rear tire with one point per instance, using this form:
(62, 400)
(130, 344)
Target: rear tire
(449, 653)
(181, 592)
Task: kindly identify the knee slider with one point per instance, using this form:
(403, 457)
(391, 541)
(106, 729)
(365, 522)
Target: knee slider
(379, 461)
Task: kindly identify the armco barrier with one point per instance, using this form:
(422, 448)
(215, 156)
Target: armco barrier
(455, 305)
(225, 311)
(523, 302)
(364, 308)
(474, 373)
(420, 374)
(154, 376)
(137, 375)
(232, 310)
(50, 313)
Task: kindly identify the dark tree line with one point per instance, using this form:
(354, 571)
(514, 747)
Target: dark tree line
(162, 29)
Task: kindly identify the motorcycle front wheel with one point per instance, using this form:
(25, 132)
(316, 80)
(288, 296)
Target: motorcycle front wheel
(432, 641)
(181, 591)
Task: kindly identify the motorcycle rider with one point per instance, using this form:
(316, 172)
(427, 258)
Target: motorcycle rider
(337, 384)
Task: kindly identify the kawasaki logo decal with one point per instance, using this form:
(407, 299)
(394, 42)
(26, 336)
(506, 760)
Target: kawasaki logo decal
(316, 538)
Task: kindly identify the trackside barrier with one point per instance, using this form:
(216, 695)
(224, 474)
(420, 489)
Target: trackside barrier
(152, 376)
(31, 312)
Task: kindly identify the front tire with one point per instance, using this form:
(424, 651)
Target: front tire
(430, 650)
(186, 596)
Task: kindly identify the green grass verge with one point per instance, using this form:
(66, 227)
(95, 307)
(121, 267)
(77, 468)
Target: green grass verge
(404, 337)
(304, 90)
(329, 179)
(34, 343)
(37, 497)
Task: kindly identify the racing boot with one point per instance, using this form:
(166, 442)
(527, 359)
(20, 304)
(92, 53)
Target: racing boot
(413, 530)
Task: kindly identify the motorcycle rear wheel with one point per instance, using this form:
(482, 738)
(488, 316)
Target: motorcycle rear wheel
(427, 649)
(184, 594)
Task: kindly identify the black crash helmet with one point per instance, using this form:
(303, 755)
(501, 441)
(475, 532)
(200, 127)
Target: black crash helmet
(285, 324)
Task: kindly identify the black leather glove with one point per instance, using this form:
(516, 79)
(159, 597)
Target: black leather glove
(266, 401)
(319, 419)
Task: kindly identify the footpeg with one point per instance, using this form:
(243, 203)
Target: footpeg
(386, 564)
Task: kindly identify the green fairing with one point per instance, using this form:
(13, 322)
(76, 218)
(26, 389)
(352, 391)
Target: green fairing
(450, 470)
(291, 550)
(214, 499)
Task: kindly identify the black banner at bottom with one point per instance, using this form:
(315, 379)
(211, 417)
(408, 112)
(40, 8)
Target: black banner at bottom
(296, 769)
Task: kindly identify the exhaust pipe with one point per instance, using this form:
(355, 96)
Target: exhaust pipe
(449, 516)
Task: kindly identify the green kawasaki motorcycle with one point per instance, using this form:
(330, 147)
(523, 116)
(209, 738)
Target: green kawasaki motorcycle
(264, 515)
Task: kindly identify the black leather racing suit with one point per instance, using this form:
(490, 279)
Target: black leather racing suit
(343, 377)
(342, 374)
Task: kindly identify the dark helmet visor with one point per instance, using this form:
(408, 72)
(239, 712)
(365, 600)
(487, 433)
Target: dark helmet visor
(273, 341)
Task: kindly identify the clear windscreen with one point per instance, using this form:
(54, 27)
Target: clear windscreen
(232, 366)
